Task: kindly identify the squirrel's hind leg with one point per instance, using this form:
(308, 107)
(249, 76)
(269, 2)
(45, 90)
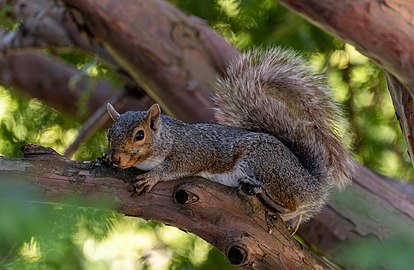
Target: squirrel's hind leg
(251, 189)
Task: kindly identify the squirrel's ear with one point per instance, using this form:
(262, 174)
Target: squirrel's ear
(153, 116)
(112, 112)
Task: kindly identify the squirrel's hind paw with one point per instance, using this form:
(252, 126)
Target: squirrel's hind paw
(264, 198)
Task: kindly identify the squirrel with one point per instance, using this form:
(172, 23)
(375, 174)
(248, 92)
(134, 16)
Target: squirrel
(277, 137)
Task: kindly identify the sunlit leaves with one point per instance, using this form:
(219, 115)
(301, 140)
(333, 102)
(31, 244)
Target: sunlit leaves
(36, 234)
(29, 121)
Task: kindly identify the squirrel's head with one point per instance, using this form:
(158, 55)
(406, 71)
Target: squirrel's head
(131, 137)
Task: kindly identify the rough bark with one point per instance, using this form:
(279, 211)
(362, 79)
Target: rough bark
(385, 33)
(236, 224)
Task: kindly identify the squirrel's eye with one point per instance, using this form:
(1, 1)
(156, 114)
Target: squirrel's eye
(139, 135)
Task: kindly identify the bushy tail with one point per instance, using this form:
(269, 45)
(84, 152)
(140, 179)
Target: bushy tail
(274, 92)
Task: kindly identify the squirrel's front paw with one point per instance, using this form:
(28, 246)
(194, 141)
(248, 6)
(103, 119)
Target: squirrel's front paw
(144, 183)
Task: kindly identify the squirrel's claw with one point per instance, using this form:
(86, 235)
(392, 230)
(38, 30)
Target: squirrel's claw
(293, 224)
(144, 183)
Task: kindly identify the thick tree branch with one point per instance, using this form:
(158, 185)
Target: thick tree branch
(50, 81)
(236, 224)
(159, 46)
(382, 30)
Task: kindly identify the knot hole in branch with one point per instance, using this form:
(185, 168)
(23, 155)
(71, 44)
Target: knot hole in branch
(236, 255)
(182, 196)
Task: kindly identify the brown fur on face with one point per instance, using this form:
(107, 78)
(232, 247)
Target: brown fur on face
(128, 151)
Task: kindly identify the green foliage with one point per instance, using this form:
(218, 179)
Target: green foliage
(360, 87)
(40, 235)
(29, 121)
(248, 23)
(5, 20)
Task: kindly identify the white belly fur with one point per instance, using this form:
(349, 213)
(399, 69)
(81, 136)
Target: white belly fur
(230, 179)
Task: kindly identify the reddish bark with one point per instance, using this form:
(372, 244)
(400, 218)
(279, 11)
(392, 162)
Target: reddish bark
(382, 30)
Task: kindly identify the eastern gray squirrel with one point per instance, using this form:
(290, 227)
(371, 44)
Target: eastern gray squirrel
(277, 137)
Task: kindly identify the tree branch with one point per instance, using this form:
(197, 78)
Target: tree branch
(41, 26)
(53, 82)
(158, 45)
(385, 29)
(370, 208)
(97, 120)
(236, 224)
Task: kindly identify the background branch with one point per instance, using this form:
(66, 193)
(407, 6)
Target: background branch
(27, 72)
(163, 53)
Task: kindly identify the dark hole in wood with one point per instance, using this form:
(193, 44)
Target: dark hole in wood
(236, 255)
(181, 196)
